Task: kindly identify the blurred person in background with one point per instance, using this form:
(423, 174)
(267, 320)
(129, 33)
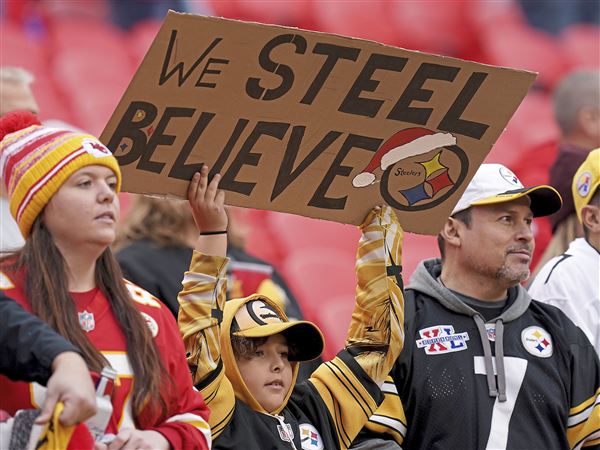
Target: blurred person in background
(155, 244)
(15, 94)
(62, 188)
(571, 281)
(577, 111)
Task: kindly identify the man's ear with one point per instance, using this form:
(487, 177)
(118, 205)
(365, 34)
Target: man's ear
(590, 216)
(452, 232)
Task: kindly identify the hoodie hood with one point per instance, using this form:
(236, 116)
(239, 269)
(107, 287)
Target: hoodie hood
(312, 338)
(425, 279)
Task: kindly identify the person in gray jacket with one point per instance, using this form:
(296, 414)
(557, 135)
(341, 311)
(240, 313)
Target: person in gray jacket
(484, 365)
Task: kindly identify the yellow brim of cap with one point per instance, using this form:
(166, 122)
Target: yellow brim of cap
(307, 338)
(545, 200)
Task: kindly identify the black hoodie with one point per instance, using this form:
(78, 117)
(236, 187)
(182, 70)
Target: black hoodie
(527, 379)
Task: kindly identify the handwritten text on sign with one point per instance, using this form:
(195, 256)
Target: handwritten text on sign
(310, 123)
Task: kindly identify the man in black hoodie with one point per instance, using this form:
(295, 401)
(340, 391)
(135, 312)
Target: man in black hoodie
(484, 365)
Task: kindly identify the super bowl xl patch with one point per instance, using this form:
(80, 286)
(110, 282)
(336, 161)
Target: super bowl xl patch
(537, 341)
(441, 339)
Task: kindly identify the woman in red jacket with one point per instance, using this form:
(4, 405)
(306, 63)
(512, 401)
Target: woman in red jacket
(63, 187)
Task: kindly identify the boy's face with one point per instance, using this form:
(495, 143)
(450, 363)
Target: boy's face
(268, 372)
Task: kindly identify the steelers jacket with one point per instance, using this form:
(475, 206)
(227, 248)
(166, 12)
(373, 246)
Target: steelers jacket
(328, 410)
(527, 379)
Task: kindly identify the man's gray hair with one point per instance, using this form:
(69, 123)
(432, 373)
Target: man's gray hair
(578, 90)
(16, 75)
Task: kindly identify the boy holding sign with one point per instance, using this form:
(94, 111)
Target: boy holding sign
(244, 354)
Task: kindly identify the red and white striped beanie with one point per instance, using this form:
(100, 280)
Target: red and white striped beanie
(36, 160)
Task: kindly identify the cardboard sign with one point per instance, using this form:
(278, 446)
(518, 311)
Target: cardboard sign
(309, 123)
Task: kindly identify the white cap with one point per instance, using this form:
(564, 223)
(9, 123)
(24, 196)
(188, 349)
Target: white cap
(495, 183)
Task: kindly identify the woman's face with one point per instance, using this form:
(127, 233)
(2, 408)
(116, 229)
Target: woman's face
(85, 210)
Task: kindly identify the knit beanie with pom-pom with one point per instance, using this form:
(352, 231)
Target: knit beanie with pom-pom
(36, 160)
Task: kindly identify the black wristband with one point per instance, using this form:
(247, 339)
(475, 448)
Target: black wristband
(210, 233)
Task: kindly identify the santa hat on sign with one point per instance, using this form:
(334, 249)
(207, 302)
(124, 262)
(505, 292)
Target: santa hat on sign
(402, 145)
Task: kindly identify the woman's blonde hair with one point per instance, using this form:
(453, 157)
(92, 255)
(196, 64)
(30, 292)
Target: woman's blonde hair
(163, 221)
(168, 222)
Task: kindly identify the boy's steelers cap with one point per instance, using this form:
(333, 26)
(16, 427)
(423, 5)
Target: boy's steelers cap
(257, 319)
(495, 183)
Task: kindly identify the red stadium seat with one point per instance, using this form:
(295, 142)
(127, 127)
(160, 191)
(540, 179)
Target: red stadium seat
(52, 104)
(485, 14)
(333, 320)
(522, 47)
(505, 151)
(415, 248)
(295, 232)
(258, 238)
(441, 29)
(533, 123)
(19, 49)
(318, 274)
(581, 45)
(140, 38)
(363, 19)
(297, 13)
(85, 33)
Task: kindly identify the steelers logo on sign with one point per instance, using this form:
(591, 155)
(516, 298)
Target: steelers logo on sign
(537, 341)
(152, 325)
(583, 184)
(423, 182)
(310, 437)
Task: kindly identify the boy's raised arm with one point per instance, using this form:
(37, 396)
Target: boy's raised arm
(376, 334)
(203, 297)
(350, 384)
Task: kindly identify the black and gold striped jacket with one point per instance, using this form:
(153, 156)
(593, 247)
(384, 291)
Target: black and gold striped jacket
(329, 409)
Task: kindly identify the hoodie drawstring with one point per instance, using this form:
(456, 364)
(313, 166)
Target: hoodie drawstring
(487, 356)
(285, 427)
(495, 390)
(500, 360)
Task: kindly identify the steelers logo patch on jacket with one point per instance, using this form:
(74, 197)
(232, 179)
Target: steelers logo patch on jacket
(537, 341)
(310, 438)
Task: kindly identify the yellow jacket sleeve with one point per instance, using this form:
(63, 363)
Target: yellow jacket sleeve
(201, 305)
(376, 334)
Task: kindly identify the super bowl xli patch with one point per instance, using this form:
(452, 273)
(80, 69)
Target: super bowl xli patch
(583, 184)
(537, 341)
(441, 339)
(310, 437)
